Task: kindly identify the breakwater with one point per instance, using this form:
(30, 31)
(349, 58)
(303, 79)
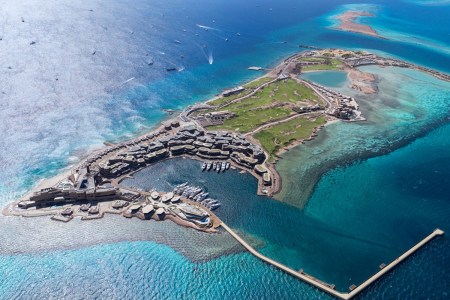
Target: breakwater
(329, 288)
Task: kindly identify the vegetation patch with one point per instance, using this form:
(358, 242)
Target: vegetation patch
(249, 88)
(328, 64)
(274, 102)
(276, 137)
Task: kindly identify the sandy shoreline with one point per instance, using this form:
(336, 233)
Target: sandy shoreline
(362, 81)
(348, 22)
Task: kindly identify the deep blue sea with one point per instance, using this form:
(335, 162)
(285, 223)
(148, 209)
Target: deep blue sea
(75, 74)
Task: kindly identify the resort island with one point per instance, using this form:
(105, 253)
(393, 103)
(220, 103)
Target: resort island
(244, 128)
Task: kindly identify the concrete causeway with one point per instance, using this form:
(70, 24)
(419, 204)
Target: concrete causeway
(327, 287)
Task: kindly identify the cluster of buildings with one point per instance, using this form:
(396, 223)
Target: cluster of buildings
(233, 91)
(81, 186)
(93, 181)
(159, 205)
(305, 63)
(123, 146)
(214, 117)
(189, 140)
(130, 203)
(342, 107)
(306, 109)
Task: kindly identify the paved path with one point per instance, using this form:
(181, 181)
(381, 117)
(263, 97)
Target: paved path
(317, 92)
(249, 95)
(280, 121)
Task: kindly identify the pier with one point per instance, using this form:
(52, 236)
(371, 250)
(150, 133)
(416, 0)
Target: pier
(325, 286)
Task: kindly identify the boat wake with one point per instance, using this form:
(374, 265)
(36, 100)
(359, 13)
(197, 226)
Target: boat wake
(126, 81)
(207, 27)
(207, 53)
(210, 58)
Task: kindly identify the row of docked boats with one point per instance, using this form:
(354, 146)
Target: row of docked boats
(196, 194)
(215, 166)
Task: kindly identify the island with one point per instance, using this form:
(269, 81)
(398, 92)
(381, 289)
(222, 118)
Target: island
(348, 21)
(245, 128)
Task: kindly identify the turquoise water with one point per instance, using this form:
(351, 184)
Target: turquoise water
(333, 79)
(58, 101)
(147, 270)
(331, 238)
(411, 103)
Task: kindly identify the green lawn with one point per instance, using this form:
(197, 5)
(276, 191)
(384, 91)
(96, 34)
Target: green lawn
(249, 87)
(279, 136)
(334, 65)
(258, 82)
(256, 110)
(272, 103)
(246, 121)
(311, 59)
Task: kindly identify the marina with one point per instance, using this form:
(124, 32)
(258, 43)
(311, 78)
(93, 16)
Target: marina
(217, 166)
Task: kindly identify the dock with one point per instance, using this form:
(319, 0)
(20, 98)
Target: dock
(328, 288)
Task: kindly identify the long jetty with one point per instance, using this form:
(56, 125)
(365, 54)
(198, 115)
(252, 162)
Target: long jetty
(325, 286)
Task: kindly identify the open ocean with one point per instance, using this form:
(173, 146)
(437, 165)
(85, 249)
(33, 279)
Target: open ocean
(359, 195)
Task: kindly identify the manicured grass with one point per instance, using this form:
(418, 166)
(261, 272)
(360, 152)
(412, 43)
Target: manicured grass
(281, 135)
(260, 108)
(334, 65)
(249, 120)
(249, 87)
(311, 59)
(258, 82)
